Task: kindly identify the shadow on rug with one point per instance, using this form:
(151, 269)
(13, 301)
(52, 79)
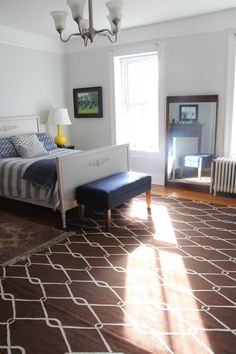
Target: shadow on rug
(20, 238)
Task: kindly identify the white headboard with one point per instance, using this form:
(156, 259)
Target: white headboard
(19, 125)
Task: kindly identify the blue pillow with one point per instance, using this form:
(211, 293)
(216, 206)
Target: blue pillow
(7, 148)
(47, 141)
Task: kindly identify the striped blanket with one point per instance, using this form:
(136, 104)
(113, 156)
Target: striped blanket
(13, 185)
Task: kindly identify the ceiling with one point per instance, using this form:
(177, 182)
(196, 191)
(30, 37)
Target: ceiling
(34, 15)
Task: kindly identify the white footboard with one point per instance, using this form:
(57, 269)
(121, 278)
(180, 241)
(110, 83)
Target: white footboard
(79, 168)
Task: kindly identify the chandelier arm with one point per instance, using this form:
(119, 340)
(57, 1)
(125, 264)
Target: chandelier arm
(102, 32)
(79, 27)
(107, 35)
(71, 35)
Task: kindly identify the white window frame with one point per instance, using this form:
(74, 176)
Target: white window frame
(121, 73)
(139, 49)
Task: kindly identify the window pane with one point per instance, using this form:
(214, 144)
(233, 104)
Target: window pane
(139, 106)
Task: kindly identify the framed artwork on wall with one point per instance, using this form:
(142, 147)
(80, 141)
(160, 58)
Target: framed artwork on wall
(188, 112)
(88, 102)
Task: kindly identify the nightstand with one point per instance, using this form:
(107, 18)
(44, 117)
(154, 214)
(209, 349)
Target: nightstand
(66, 146)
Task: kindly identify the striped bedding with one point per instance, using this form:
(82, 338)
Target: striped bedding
(12, 185)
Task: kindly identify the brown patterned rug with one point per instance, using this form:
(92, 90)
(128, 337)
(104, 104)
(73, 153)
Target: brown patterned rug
(19, 238)
(159, 283)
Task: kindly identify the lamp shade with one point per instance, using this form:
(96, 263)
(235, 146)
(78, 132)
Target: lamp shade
(114, 28)
(77, 8)
(58, 116)
(115, 7)
(59, 19)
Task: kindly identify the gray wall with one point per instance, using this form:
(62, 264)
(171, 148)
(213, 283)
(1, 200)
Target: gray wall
(89, 69)
(31, 81)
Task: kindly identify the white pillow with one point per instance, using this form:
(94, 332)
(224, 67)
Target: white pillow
(33, 150)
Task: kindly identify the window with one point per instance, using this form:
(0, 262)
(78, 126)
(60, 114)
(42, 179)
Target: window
(136, 101)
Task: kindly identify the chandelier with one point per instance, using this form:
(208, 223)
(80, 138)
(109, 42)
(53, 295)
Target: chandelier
(85, 27)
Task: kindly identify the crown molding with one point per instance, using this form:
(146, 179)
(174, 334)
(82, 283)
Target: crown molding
(15, 37)
(213, 22)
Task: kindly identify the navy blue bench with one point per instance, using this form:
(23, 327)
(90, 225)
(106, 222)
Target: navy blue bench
(109, 192)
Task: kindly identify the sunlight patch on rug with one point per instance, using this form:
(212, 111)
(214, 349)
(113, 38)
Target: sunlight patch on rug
(164, 230)
(162, 223)
(146, 300)
(178, 297)
(143, 289)
(139, 209)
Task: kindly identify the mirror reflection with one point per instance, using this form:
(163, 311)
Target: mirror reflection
(191, 127)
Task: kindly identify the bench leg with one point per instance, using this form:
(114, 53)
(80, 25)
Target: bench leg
(81, 211)
(148, 199)
(108, 219)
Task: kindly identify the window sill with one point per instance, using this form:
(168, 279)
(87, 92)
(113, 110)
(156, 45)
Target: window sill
(144, 154)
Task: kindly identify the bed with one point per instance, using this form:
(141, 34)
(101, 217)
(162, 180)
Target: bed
(73, 168)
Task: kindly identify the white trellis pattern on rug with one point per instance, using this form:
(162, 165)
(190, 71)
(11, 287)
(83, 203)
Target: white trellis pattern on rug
(158, 283)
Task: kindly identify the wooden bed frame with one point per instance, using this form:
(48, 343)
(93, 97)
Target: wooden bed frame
(74, 169)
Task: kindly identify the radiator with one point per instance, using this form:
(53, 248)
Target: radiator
(224, 175)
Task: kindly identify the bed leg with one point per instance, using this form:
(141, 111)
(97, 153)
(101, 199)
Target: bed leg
(63, 218)
(148, 199)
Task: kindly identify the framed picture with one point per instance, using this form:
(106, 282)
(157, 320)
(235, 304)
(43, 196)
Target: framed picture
(88, 102)
(188, 112)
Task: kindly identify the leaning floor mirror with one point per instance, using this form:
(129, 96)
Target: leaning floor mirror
(191, 136)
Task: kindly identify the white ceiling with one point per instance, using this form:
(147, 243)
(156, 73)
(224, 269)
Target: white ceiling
(34, 15)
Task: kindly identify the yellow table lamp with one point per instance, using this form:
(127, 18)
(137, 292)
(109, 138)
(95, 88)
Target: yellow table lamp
(59, 117)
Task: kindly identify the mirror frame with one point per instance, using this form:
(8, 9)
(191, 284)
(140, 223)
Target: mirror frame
(188, 99)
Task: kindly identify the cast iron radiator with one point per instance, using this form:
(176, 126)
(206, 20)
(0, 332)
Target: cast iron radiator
(223, 175)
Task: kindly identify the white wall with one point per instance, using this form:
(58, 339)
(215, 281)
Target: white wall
(191, 65)
(89, 69)
(31, 81)
(197, 65)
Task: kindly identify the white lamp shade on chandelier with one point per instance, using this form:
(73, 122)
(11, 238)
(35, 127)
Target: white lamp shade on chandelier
(77, 8)
(59, 19)
(85, 26)
(114, 8)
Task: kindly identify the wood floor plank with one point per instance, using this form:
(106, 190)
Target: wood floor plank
(188, 194)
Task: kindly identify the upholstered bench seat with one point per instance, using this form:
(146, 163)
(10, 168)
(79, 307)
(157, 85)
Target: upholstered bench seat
(109, 192)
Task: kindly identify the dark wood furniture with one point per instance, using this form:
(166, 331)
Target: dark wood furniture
(66, 147)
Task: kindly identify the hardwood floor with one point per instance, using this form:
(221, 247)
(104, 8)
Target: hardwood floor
(49, 217)
(187, 194)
